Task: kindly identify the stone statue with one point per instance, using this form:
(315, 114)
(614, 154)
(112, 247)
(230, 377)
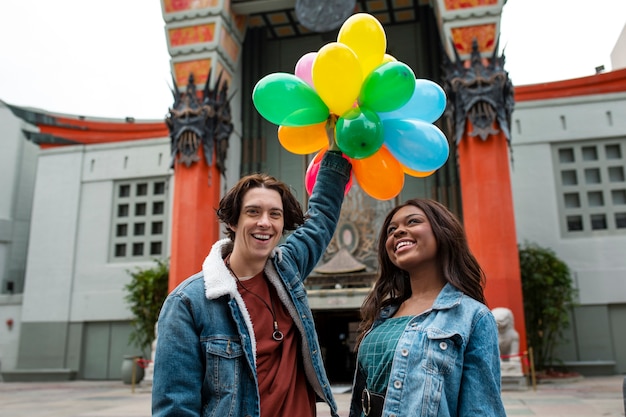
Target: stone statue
(508, 339)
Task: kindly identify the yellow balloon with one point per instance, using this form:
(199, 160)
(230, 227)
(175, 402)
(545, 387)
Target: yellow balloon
(337, 77)
(303, 140)
(364, 34)
(379, 175)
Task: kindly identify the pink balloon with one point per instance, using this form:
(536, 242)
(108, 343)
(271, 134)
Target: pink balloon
(314, 168)
(349, 184)
(311, 175)
(304, 68)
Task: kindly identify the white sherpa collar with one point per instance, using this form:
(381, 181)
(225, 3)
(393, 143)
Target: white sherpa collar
(218, 281)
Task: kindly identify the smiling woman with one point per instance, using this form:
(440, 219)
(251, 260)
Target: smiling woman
(427, 306)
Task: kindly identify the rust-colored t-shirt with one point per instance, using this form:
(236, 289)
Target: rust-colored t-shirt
(282, 383)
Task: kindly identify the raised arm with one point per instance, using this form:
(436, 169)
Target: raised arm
(307, 244)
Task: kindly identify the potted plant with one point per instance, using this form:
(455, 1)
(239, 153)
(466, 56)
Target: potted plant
(145, 294)
(549, 296)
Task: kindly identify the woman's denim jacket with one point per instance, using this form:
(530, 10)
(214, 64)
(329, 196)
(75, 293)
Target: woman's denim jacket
(205, 361)
(447, 362)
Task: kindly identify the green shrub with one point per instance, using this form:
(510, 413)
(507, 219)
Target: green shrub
(146, 293)
(549, 296)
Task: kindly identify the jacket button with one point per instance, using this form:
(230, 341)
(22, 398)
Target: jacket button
(397, 384)
(404, 352)
(443, 345)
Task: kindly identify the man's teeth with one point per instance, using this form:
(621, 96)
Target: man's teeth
(262, 237)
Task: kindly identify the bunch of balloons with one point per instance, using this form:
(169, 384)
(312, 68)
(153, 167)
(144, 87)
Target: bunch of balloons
(383, 114)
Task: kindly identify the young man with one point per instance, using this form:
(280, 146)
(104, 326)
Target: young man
(238, 338)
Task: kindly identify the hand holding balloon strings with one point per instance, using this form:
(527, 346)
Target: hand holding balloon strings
(330, 133)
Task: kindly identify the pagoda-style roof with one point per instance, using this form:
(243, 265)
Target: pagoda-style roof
(342, 263)
(603, 83)
(60, 129)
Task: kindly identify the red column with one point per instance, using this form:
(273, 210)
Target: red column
(489, 220)
(194, 223)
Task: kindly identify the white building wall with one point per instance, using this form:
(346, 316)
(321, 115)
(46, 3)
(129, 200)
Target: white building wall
(50, 265)
(18, 164)
(598, 262)
(98, 292)
(10, 140)
(69, 277)
(18, 159)
(10, 312)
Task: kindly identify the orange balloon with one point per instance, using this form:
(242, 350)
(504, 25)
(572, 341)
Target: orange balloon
(414, 173)
(379, 175)
(303, 140)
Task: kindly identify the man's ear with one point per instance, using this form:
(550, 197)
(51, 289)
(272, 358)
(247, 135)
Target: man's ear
(233, 227)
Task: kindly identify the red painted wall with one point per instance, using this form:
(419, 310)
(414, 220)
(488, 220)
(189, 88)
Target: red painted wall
(489, 221)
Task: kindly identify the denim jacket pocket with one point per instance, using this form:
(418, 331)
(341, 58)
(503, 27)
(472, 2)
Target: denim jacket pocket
(442, 351)
(223, 362)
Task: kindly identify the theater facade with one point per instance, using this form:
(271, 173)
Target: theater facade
(93, 198)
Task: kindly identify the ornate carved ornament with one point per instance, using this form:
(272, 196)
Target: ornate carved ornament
(481, 92)
(193, 123)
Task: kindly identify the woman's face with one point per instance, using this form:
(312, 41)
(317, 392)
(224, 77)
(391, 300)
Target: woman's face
(410, 242)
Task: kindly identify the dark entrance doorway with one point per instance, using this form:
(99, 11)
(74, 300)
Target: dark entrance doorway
(337, 334)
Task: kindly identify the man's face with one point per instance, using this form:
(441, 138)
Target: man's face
(260, 225)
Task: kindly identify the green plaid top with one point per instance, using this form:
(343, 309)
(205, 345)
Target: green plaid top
(377, 349)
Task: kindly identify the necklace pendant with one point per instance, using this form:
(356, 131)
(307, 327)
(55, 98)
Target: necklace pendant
(278, 335)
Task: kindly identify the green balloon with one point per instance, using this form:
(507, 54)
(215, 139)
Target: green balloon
(287, 100)
(388, 87)
(359, 133)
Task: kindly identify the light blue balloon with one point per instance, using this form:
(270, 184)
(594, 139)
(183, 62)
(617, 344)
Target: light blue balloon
(416, 144)
(427, 103)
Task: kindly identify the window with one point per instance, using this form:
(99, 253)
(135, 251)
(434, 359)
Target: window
(591, 182)
(139, 220)
(159, 188)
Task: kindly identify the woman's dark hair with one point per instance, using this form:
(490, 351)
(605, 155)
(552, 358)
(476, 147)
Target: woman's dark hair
(458, 266)
(230, 205)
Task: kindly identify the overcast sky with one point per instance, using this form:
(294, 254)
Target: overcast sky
(109, 58)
